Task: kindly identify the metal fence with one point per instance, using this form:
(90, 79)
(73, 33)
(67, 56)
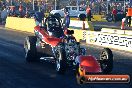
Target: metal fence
(106, 7)
(97, 6)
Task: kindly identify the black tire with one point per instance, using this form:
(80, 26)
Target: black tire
(31, 54)
(61, 63)
(109, 19)
(82, 17)
(106, 60)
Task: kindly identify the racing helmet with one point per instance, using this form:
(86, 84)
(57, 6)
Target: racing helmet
(53, 26)
(53, 21)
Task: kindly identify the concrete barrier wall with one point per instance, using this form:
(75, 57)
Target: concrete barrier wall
(116, 31)
(79, 34)
(111, 38)
(116, 41)
(78, 24)
(22, 24)
(28, 24)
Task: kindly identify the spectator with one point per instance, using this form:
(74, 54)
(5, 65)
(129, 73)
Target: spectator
(128, 16)
(109, 7)
(12, 11)
(100, 9)
(21, 10)
(114, 14)
(66, 20)
(43, 8)
(27, 13)
(88, 12)
(4, 14)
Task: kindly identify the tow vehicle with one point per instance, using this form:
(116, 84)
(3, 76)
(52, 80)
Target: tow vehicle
(74, 11)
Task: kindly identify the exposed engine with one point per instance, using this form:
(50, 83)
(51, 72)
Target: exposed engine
(71, 48)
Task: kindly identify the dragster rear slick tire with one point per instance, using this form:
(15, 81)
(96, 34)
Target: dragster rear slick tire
(106, 60)
(31, 54)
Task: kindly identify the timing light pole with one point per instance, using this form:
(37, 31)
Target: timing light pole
(55, 4)
(107, 6)
(33, 4)
(124, 5)
(11, 3)
(77, 2)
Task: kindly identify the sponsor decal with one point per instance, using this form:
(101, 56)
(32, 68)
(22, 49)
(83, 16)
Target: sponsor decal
(84, 35)
(92, 38)
(110, 39)
(107, 79)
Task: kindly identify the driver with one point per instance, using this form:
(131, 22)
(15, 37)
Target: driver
(53, 26)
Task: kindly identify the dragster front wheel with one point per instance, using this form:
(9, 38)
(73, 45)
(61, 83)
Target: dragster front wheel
(106, 60)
